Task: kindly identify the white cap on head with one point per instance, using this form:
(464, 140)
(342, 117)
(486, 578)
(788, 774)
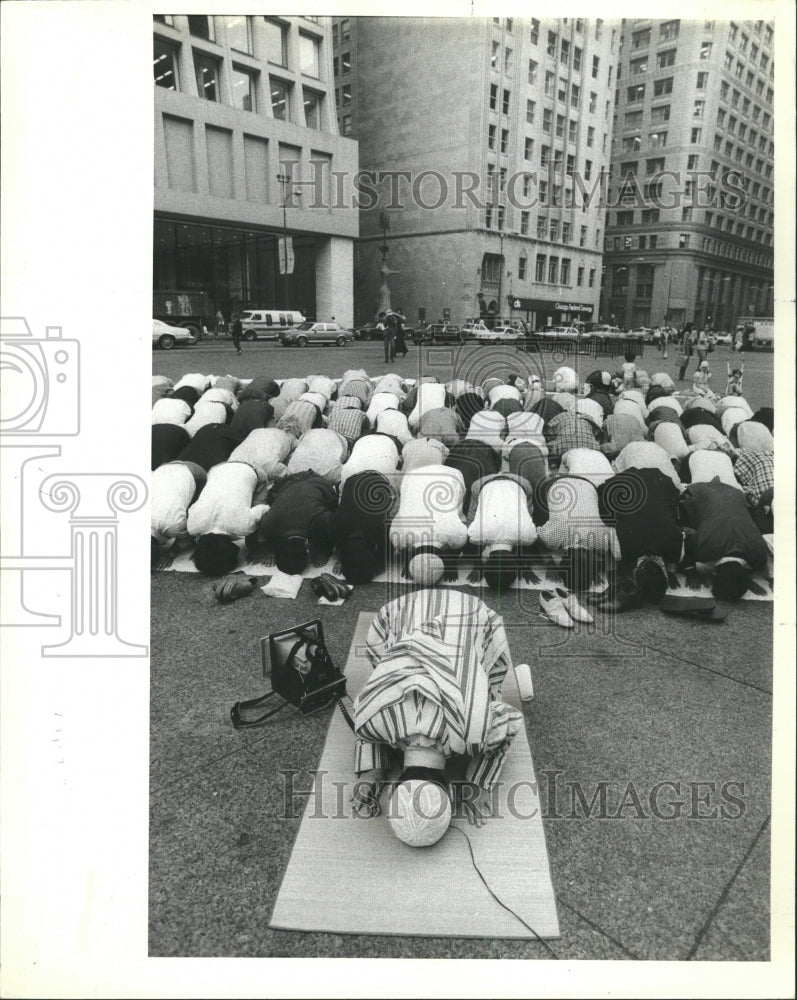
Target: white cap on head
(426, 568)
(419, 812)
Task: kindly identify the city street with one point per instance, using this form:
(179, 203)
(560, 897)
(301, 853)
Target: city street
(651, 745)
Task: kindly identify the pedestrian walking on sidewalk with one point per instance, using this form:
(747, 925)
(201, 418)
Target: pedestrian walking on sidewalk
(237, 331)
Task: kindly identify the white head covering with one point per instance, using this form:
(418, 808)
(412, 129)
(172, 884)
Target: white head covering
(419, 812)
(426, 568)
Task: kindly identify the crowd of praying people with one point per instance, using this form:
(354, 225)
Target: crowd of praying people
(515, 473)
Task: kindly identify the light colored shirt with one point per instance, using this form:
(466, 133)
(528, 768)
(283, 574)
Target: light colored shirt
(706, 465)
(669, 401)
(316, 398)
(586, 462)
(391, 383)
(225, 506)
(440, 658)
(705, 434)
(266, 449)
(172, 489)
(195, 381)
(646, 455)
(381, 401)
(394, 422)
(501, 515)
(321, 384)
(431, 396)
(374, 451)
(504, 392)
(489, 427)
(219, 395)
(421, 452)
(631, 408)
(670, 437)
(754, 436)
(170, 411)
(430, 507)
(206, 413)
(574, 519)
(321, 451)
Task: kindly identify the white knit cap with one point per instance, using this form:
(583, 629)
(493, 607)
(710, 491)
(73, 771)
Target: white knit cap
(419, 812)
(426, 568)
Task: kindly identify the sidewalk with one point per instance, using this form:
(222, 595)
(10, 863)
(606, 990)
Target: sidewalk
(654, 771)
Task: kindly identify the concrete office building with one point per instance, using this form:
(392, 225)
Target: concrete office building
(693, 134)
(491, 122)
(240, 100)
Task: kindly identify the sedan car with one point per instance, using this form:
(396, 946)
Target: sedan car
(316, 333)
(438, 333)
(166, 336)
(498, 334)
(605, 330)
(721, 338)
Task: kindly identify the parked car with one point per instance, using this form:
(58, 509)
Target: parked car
(605, 330)
(438, 333)
(498, 334)
(721, 338)
(316, 333)
(369, 332)
(570, 332)
(166, 336)
(645, 333)
(269, 324)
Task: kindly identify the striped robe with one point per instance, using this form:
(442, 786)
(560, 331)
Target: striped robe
(439, 658)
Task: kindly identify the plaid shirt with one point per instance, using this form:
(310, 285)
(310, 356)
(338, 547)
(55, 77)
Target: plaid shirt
(350, 423)
(440, 658)
(567, 431)
(755, 472)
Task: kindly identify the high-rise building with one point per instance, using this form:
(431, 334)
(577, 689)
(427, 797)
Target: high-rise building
(477, 137)
(240, 102)
(689, 234)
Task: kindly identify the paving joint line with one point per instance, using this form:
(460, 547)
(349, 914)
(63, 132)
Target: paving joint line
(724, 894)
(700, 666)
(599, 929)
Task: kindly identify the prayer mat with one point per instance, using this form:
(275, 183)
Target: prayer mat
(348, 875)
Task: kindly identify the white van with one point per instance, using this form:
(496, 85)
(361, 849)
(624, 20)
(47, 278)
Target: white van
(269, 324)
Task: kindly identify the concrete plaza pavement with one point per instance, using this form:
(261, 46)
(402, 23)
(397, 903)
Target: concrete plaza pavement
(652, 746)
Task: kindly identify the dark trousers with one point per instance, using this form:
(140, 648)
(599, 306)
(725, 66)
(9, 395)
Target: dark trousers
(390, 346)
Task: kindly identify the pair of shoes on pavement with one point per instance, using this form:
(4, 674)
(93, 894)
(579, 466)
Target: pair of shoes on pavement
(563, 608)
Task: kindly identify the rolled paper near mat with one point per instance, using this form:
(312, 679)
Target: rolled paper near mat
(524, 682)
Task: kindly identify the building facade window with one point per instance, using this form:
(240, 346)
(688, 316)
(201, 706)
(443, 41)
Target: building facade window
(243, 89)
(239, 33)
(553, 270)
(312, 109)
(207, 76)
(564, 272)
(280, 106)
(201, 26)
(276, 36)
(539, 272)
(664, 59)
(531, 108)
(668, 30)
(521, 268)
(164, 66)
(524, 223)
(309, 63)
